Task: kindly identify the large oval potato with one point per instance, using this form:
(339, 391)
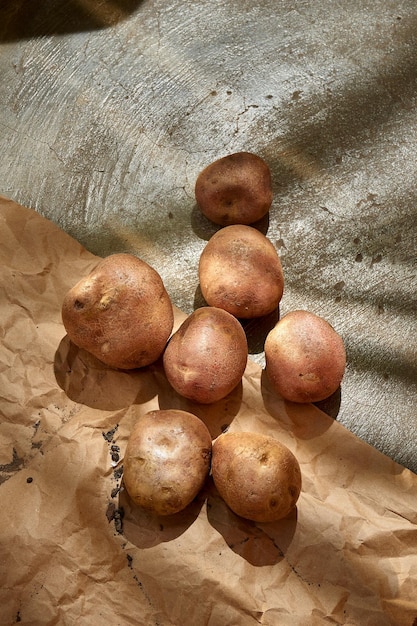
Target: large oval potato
(305, 357)
(240, 271)
(235, 189)
(258, 477)
(121, 312)
(206, 357)
(167, 460)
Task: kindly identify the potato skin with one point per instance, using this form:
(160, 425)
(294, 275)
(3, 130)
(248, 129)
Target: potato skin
(240, 271)
(258, 477)
(305, 357)
(167, 460)
(235, 189)
(120, 313)
(206, 357)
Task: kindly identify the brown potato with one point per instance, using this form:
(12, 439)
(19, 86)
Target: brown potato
(258, 477)
(236, 189)
(167, 460)
(240, 271)
(120, 313)
(305, 357)
(206, 357)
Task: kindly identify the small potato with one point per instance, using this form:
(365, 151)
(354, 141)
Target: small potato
(240, 271)
(235, 189)
(258, 477)
(305, 357)
(167, 460)
(206, 357)
(120, 313)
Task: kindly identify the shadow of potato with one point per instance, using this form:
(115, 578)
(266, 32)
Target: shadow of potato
(305, 421)
(38, 18)
(331, 405)
(145, 529)
(205, 228)
(88, 381)
(259, 544)
(257, 329)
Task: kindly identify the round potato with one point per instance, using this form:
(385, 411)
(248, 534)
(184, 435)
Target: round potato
(240, 271)
(258, 477)
(206, 357)
(236, 189)
(167, 460)
(305, 357)
(120, 313)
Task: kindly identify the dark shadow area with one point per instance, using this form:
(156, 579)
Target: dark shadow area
(38, 18)
(199, 300)
(205, 228)
(259, 544)
(353, 113)
(331, 405)
(88, 381)
(257, 329)
(201, 225)
(303, 420)
(217, 416)
(145, 529)
(366, 241)
(375, 357)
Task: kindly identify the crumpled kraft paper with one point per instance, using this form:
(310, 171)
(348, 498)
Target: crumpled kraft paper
(73, 548)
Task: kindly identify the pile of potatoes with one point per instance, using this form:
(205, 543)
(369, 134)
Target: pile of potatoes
(170, 454)
(122, 314)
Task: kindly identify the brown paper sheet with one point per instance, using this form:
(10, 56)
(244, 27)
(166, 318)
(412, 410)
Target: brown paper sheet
(73, 550)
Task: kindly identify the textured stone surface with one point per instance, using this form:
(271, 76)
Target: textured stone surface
(109, 110)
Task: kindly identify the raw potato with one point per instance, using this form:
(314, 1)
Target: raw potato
(120, 313)
(206, 357)
(305, 357)
(258, 477)
(167, 460)
(240, 271)
(236, 189)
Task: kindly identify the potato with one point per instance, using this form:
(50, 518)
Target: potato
(206, 357)
(258, 477)
(240, 271)
(120, 313)
(235, 189)
(305, 357)
(167, 460)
